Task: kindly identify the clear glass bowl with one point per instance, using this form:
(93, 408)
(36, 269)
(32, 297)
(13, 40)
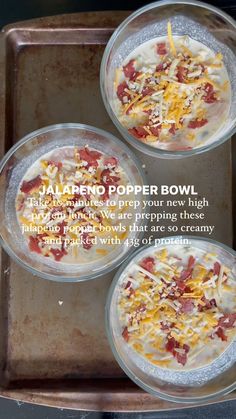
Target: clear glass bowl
(202, 22)
(13, 168)
(133, 365)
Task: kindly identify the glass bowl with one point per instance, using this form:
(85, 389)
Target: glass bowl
(202, 384)
(12, 170)
(203, 23)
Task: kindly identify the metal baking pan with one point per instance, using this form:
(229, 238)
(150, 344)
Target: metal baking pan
(53, 346)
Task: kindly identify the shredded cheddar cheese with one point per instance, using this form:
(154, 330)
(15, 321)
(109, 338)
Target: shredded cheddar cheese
(167, 105)
(165, 312)
(55, 219)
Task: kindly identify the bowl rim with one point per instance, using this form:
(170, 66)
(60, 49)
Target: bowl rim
(143, 147)
(109, 332)
(50, 128)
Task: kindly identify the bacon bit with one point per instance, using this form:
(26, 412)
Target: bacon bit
(159, 67)
(34, 244)
(188, 289)
(186, 348)
(129, 109)
(161, 48)
(181, 74)
(156, 130)
(185, 274)
(207, 278)
(180, 284)
(216, 269)
(108, 179)
(121, 93)
(111, 161)
(164, 282)
(57, 164)
(125, 334)
(141, 131)
(171, 345)
(181, 358)
(90, 156)
(148, 264)
(197, 123)
(63, 246)
(187, 305)
(29, 186)
(210, 99)
(61, 226)
(203, 68)
(86, 240)
(58, 254)
(148, 111)
(147, 91)
(138, 132)
(210, 96)
(129, 287)
(129, 69)
(227, 320)
(172, 130)
(191, 262)
(134, 76)
(41, 238)
(220, 333)
(208, 304)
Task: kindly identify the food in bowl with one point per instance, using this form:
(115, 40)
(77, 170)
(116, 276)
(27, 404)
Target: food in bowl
(172, 93)
(177, 307)
(63, 205)
(171, 318)
(60, 198)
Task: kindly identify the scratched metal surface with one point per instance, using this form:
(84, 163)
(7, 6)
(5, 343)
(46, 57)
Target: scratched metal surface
(54, 350)
(13, 410)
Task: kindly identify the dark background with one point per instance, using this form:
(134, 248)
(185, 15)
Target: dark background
(13, 10)
(16, 10)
